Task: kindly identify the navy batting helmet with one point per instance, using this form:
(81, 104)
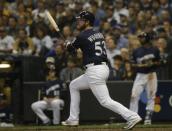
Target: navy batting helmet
(86, 15)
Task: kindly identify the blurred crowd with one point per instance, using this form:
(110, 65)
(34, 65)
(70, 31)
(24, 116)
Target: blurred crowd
(25, 30)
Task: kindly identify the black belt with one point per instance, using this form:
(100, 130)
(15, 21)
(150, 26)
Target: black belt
(95, 63)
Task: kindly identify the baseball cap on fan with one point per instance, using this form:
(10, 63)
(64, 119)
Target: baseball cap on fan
(50, 60)
(124, 12)
(86, 15)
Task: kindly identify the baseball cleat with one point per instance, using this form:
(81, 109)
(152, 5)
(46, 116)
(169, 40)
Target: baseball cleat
(47, 123)
(70, 123)
(132, 123)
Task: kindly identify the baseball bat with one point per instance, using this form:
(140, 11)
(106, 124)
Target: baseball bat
(52, 21)
(54, 24)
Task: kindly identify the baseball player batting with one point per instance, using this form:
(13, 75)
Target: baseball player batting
(92, 44)
(146, 60)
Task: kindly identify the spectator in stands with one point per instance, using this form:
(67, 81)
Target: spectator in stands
(111, 49)
(40, 11)
(59, 9)
(60, 57)
(156, 7)
(148, 27)
(154, 21)
(122, 41)
(71, 71)
(117, 72)
(124, 17)
(163, 34)
(67, 33)
(23, 44)
(99, 13)
(68, 18)
(79, 5)
(22, 23)
(165, 5)
(132, 16)
(37, 24)
(42, 42)
(125, 54)
(12, 26)
(97, 10)
(146, 4)
(21, 10)
(128, 71)
(134, 43)
(50, 96)
(125, 30)
(109, 16)
(140, 21)
(105, 26)
(6, 41)
(5, 105)
(168, 38)
(167, 27)
(161, 44)
(4, 11)
(119, 7)
(163, 71)
(4, 19)
(165, 16)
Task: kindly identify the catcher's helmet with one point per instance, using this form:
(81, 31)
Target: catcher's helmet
(86, 15)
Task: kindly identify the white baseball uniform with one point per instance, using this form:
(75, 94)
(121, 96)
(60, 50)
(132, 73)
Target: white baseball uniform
(52, 102)
(147, 82)
(95, 79)
(92, 44)
(54, 105)
(146, 78)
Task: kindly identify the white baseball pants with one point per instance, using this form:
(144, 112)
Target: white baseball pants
(95, 79)
(144, 81)
(54, 105)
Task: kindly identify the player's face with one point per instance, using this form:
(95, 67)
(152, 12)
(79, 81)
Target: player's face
(81, 24)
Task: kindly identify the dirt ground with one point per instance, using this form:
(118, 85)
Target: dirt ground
(113, 127)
